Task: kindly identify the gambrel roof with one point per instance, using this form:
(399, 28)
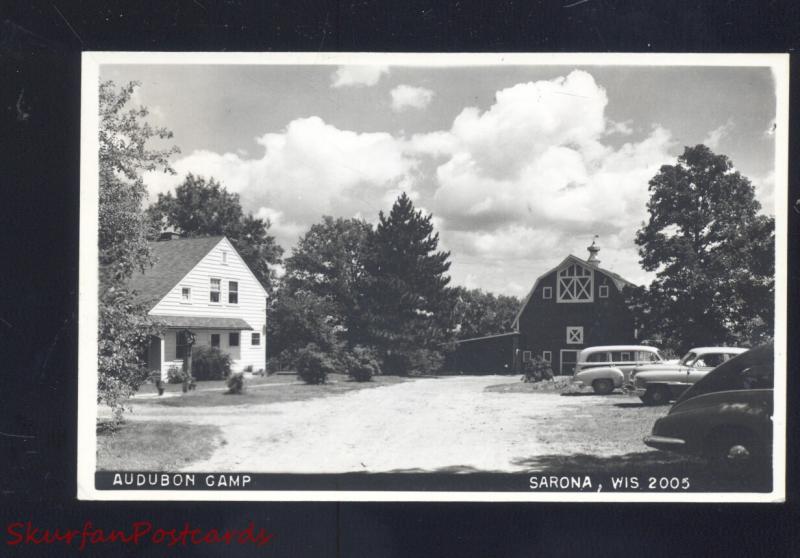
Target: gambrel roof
(617, 279)
(173, 259)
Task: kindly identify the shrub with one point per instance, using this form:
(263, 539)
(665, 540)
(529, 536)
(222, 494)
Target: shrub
(362, 364)
(414, 362)
(209, 363)
(248, 368)
(174, 375)
(313, 366)
(235, 383)
(537, 370)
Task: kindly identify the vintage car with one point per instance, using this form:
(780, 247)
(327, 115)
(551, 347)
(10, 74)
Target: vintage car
(606, 368)
(658, 385)
(726, 416)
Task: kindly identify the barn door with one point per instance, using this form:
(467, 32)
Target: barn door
(568, 360)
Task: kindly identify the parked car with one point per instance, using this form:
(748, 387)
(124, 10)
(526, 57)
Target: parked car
(726, 416)
(658, 385)
(606, 368)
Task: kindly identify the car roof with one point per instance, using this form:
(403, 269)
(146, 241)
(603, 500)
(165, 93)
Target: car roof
(737, 350)
(605, 348)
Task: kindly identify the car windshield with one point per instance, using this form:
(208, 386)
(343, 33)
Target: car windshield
(750, 370)
(689, 358)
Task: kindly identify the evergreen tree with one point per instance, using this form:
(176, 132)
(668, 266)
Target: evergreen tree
(409, 305)
(713, 255)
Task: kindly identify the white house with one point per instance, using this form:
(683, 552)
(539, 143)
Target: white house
(204, 286)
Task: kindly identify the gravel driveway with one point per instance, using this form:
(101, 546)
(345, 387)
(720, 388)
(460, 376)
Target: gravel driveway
(438, 424)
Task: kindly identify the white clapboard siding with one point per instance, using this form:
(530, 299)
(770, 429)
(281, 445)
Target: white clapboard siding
(251, 307)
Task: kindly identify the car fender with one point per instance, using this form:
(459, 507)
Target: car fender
(601, 373)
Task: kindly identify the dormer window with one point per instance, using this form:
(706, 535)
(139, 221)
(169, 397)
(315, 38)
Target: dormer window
(575, 284)
(547, 292)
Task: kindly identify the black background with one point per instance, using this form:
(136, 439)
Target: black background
(40, 47)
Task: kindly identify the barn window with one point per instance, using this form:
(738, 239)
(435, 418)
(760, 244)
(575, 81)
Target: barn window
(574, 335)
(526, 356)
(547, 292)
(603, 291)
(233, 292)
(575, 284)
(547, 356)
(214, 292)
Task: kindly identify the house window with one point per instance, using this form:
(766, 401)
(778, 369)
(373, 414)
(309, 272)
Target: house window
(215, 288)
(182, 346)
(186, 295)
(526, 356)
(233, 339)
(224, 257)
(574, 335)
(255, 339)
(215, 340)
(547, 356)
(603, 291)
(547, 292)
(233, 292)
(575, 284)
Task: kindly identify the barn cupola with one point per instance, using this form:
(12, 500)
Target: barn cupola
(593, 250)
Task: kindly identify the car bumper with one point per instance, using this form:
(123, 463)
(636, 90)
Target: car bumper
(665, 443)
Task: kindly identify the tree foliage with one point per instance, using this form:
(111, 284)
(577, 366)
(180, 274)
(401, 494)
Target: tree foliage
(329, 262)
(124, 153)
(409, 305)
(478, 313)
(203, 207)
(713, 254)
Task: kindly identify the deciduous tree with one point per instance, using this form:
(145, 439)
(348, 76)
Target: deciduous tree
(713, 254)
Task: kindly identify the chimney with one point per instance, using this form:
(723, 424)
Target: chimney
(593, 250)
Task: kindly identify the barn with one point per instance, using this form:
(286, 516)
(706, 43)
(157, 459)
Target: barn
(576, 304)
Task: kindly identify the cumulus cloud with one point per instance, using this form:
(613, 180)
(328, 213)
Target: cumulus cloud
(514, 188)
(408, 96)
(717, 134)
(346, 76)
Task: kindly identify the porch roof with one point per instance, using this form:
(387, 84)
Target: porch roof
(201, 322)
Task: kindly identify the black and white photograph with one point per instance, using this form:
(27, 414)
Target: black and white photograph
(433, 277)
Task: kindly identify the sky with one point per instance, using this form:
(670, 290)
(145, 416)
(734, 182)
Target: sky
(519, 165)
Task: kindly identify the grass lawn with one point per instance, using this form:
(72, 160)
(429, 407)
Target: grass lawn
(558, 385)
(155, 446)
(260, 391)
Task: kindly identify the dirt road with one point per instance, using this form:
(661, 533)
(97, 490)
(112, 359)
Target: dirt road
(444, 425)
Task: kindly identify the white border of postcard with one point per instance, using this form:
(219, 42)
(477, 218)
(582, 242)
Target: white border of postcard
(88, 280)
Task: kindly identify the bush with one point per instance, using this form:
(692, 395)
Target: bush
(362, 364)
(415, 362)
(248, 368)
(313, 366)
(174, 375)
(536, 370)
(209, 363)
(235, 383)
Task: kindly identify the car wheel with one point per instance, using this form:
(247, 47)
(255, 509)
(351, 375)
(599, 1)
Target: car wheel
(603, 387)
(656, 396)
(737, 453)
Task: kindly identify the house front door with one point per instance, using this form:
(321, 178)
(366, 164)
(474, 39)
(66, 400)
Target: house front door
(154, 354)
(568, 360)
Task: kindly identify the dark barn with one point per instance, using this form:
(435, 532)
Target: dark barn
(488, 355)
(575, 305)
